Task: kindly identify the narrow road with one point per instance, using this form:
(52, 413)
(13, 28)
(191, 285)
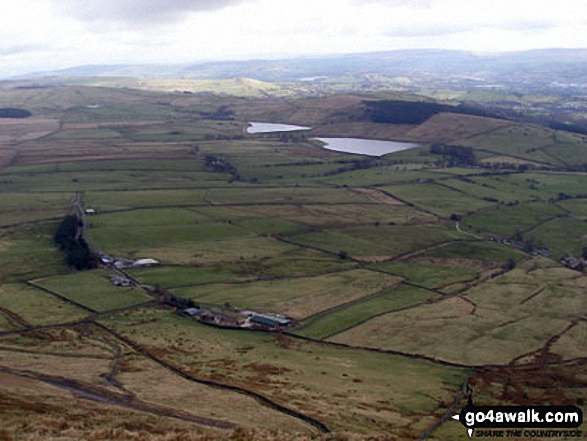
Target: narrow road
(465, 233)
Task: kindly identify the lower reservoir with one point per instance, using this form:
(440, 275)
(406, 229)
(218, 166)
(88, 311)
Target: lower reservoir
(370, 147)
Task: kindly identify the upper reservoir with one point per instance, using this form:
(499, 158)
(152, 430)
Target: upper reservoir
(257, 127)
(370, 147)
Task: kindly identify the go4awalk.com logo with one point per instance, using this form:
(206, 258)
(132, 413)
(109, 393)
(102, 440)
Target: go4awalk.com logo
(520, 421)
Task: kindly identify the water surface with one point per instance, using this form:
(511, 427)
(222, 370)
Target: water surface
(370, 147)
(258, 127)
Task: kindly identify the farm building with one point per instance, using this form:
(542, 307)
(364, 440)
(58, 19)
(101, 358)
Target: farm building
(90, 211)
(120, 281)
(192, 311)
(145, 262)
(271, 320)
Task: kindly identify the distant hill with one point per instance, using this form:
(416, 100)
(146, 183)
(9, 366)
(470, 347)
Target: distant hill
(547, 65)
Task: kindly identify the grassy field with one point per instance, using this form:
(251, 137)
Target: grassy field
(115, 200)
(438, 199)
(93, 290)
(36, 306)
(484, 252)
(16, 208)
(562, 237)
(429, 275)
(27, 251)
(131, 241)
(324, 325)
(299, 297)
(506, 221)
(367, 242)
(174, 276)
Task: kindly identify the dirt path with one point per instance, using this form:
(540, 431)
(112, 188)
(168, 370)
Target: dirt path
(14, 318)
(95, 393)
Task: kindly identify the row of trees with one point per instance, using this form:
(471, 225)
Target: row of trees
(69, 240)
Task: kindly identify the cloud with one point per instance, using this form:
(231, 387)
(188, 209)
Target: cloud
(438, 29)
(138, 11)
(18, 49)
(412, 4)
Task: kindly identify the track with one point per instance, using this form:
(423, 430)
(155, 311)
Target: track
(95, 393)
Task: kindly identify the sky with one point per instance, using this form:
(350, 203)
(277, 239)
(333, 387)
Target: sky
(40, 35)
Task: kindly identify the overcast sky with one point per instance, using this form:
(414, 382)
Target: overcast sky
(49, 34)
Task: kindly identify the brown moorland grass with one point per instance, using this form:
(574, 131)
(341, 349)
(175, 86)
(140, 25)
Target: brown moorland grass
(353, 390)
(26, 129)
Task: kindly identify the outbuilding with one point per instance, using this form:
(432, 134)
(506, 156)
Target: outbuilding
(146, 262)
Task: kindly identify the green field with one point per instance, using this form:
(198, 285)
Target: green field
(36, 306)
(113, 200)
(429, 275)
(364, 242)
(93, 290)
(298, 297)
(325, 325)
(507, 221)
(487, 253)
(438, 199)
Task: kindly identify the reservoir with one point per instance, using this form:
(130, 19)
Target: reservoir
(257, 127)
(370, 147)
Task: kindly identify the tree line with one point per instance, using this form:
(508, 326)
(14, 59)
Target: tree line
(69, 240)
(415, 112)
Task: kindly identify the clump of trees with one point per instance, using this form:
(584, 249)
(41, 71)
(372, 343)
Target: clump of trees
(69, 240)
(454, 155)
(9, 112)
(221, 165)
(165, 297)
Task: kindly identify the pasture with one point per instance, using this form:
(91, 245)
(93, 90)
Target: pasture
(298, 297)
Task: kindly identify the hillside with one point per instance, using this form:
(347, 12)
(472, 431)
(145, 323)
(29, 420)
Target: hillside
(396, 280)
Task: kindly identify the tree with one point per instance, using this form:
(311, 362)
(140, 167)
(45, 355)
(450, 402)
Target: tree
(510, 264)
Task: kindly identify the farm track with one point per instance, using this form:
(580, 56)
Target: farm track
(14, 318)
(99, 394)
